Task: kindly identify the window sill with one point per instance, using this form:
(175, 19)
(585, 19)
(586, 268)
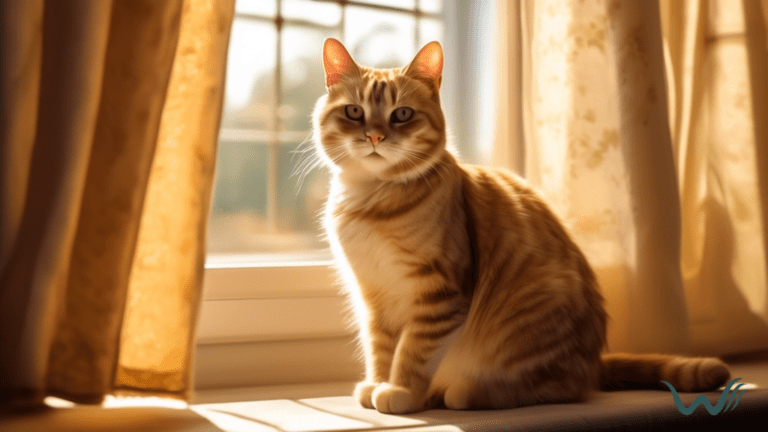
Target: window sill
(274, 392)
(327, 407)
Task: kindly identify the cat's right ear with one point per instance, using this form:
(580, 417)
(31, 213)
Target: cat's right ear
(336, 61)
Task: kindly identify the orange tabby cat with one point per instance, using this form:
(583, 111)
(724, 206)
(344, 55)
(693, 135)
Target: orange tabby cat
(467, 290)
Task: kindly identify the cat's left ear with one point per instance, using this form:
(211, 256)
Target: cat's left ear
(428, 63)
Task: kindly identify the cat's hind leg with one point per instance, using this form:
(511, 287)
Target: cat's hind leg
(465, 393)
(462, 394)
(466, 379)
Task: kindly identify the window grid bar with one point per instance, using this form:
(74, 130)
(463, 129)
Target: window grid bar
(286, 21)
(415, 11)
(416, 28)
(261, 136)
(275, 126)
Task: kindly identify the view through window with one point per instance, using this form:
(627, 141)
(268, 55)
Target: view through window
(263, 204)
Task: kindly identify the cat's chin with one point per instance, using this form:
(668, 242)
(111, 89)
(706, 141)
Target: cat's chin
(362, 170)
(375, 163)
(370, 168)
(374, 156)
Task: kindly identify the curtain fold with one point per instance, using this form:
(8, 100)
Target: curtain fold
(756, 30)
(156, 345)
(645, 127)
(509, 91)
(72, 40)
(723, 246)
(655, 289)
(111, 105)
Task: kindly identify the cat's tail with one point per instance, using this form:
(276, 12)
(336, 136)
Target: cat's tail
(646, 371)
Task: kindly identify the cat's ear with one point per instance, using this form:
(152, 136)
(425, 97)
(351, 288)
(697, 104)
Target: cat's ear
(428, 63)
(336, 61)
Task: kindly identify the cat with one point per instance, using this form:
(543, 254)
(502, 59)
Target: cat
(467, 291)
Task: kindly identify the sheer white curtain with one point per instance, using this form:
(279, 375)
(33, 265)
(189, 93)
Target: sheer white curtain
(644, 124)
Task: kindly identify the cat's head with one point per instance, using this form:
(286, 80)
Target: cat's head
(381, 123)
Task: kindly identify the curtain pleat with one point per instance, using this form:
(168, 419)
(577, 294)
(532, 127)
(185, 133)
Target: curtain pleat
(723, 243)
(156, 347)
(509, 125)
(21, 54)
(140, 53)
(657, 315)
(756, 22)
(33, 283)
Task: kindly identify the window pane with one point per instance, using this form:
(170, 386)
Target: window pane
(432, 6)
(326, 14)
(430, 30)
(379, 39)
(239, 223)
(404, 4)
(301, 196)
(238, 218)
(250, 75)
(303, 79)
(265, 119)
(256, 7)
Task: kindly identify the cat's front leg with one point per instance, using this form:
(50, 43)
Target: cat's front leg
(379, 345)
(406, 390)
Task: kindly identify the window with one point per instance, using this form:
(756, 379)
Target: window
(271, 308)
(267, 199)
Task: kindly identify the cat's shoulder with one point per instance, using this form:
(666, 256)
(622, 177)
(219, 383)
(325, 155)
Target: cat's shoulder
(490, 179)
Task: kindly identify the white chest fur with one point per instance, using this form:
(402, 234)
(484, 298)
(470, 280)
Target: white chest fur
(377, 258)
(379, 270)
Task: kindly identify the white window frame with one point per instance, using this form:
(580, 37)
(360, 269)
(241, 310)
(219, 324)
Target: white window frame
(265, 322)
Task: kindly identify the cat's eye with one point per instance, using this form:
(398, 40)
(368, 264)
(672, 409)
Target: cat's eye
(400, 115)
(354, 112)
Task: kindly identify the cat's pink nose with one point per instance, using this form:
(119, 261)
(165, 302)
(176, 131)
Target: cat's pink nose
(375, 138)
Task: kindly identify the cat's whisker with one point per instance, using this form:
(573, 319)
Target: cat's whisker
(306, 160)
(303, 169)
(338, 157)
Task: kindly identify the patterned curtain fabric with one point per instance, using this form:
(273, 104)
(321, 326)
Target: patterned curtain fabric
(645, 124)
(110, 116)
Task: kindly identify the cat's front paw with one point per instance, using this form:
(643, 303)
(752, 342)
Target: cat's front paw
(392, 399)
(363, 393)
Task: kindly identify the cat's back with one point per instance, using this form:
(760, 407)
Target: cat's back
(522, 252)
(508, 215)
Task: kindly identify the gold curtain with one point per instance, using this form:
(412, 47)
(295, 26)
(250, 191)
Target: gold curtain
(645, 124)
(110, 115)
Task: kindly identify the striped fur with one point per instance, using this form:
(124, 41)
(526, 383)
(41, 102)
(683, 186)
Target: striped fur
(468, 292)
